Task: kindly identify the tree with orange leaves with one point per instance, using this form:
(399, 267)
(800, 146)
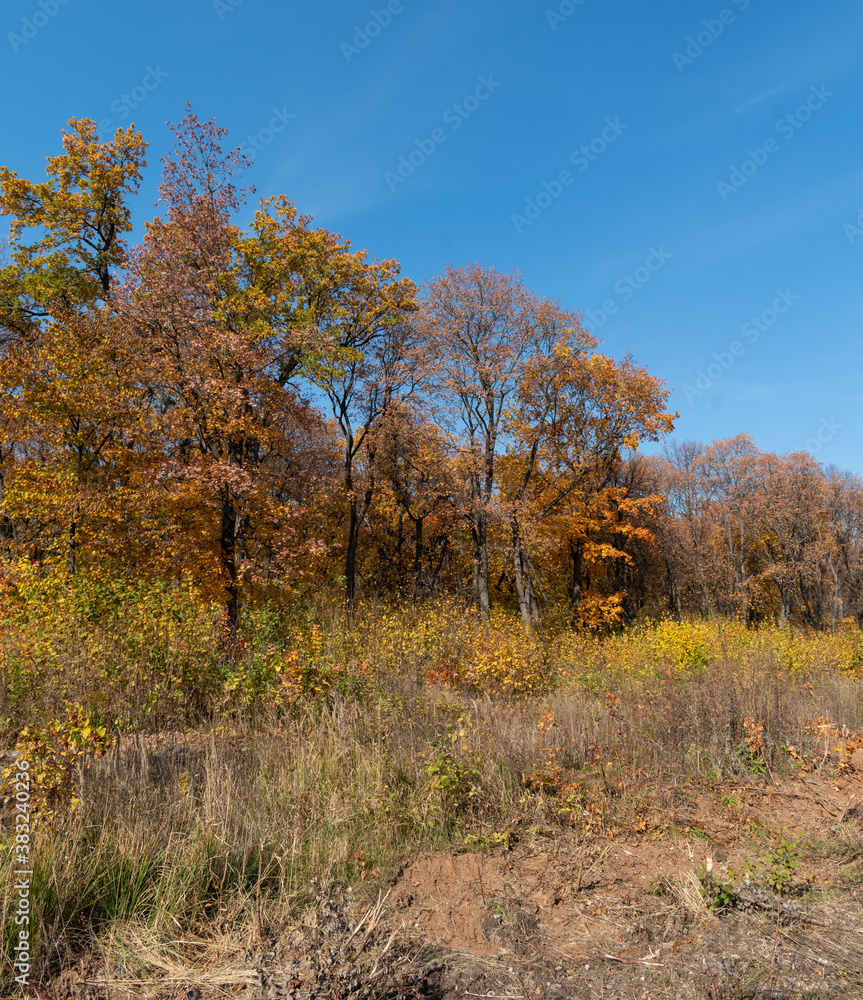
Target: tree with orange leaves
(482, 329)
(151, 398)
(573, 416)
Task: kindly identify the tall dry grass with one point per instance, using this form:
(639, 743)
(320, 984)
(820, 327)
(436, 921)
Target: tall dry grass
(328, 748)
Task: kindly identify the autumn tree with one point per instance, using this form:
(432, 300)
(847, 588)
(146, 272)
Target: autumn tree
(416, 509)
(374, 371)
(230, 322)
(688, 527)
(152, 396)
(572, 418)
(67, 415)
(480, 326)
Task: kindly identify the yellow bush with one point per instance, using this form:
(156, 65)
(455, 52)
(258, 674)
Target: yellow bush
(505, 659)
(682, 644)
(55, 752)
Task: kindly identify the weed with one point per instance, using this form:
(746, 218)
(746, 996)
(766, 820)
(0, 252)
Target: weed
(719, 894)
(783, 862)
(329, 756)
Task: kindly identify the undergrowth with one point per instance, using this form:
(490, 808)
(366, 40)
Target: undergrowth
(328, 746)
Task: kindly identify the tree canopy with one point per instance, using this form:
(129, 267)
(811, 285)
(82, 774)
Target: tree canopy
(270, 413)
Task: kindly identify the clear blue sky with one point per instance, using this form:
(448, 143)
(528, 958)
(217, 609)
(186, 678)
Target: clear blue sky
(494, 100)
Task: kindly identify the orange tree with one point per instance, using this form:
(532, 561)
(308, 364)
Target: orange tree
(151, 409)
(229, 322)
(572, 418)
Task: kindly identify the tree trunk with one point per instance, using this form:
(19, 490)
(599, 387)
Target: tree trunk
(418, 557)
(400, 541)
(358, 513)
(576, 551)
(527, 602)
(523, 600)
(71, 545)
(228, 545)
(351, 554)
(479, 532)
(673, 593)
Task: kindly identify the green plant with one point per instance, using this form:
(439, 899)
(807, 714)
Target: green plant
(719, 895)
(454, 784)
(478, 842)
(56, 752)
(750, 763)
(784, 860)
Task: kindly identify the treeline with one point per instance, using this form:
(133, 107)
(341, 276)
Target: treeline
(269, 413)
(758, 535)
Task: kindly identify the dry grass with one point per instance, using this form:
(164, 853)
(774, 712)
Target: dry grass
(171, 858)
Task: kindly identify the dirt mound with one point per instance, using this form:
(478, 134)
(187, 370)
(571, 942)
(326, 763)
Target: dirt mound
(713, 900)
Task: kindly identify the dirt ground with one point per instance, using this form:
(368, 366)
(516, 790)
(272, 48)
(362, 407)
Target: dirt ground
(583, 917)
(563, 913)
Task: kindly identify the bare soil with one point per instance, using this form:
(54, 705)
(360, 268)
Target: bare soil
(565, 913)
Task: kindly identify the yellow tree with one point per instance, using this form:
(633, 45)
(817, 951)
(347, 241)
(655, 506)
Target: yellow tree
(67, 415)
(573, 416)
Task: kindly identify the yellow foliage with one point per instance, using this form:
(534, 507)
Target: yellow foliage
(682, 644)
(505, 659)
(55, 752)
(597, 612)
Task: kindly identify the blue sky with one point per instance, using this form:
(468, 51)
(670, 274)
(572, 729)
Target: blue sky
(687, 174)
